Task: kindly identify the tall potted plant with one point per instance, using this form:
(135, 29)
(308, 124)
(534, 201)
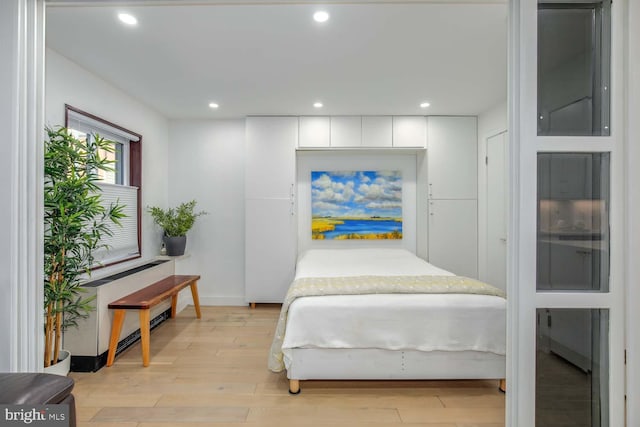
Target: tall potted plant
(75, 219)
(176, 222)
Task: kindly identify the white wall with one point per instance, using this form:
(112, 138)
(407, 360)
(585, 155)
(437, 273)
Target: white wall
(68, 83)
(207, 164)
(361, 161)
(490, 122)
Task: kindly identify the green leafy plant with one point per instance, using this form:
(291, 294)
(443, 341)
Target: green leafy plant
(176, 221)
(74, 222)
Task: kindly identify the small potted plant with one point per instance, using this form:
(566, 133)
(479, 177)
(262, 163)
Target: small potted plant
(75, 219)
(175, 222)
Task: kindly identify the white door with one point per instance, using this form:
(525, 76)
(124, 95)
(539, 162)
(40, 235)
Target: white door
(497, 210)
(453, 236)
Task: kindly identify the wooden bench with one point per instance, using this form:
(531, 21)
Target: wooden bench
(143, 300)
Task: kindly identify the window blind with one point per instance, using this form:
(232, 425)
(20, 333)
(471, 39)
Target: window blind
(124, 242)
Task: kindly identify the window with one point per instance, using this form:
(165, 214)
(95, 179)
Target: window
(572, 367)
(574, 44)
(122, 184)
(573, 222)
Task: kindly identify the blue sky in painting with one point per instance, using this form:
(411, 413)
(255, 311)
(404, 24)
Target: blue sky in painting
(356, 194)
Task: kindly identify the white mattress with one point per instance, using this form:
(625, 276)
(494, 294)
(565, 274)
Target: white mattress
(363, 261)
(425, 322)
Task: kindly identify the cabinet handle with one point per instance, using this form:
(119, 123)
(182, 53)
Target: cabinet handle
(292, 199)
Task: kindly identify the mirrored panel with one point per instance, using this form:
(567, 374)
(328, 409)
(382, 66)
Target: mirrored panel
(572, 368)
(573, 222)
(573, 67)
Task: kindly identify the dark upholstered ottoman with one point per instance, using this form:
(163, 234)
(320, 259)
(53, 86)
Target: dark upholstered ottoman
(38, 389)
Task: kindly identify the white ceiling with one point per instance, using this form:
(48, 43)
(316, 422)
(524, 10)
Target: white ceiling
(274, 59)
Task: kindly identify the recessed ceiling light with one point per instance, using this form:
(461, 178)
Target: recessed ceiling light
(127, 19)
(213, 105)
(424, 105)
(317, 104)
(321, 16)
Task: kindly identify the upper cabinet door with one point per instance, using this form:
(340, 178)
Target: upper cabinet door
(376, 131)
(315, 131)
(409, 131)
(270, 157)
(346, 131)
(452, 155)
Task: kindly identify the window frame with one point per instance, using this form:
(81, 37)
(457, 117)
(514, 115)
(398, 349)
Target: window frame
(134, 172)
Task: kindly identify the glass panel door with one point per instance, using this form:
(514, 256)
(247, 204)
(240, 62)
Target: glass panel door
(570, 219)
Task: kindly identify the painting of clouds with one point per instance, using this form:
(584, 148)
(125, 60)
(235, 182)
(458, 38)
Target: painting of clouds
(356, 205)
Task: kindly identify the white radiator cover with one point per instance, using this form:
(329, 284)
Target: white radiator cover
(91, 337)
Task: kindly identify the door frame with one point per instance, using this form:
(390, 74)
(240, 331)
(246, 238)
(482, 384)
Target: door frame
(483, 242)
(632, 245)
(524, 144)
(522, 24)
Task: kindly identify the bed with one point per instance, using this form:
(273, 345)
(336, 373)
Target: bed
(386, 314)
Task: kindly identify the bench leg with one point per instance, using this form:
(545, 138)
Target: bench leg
(144, 336)
(174, 304)
(116, 328)
(196, 300)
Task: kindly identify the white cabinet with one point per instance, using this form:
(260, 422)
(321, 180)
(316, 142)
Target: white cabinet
(315, 131)
(452, 154)
(566, 176)
(270, 252)
(452, 194)
(453, 236)
(570, 334)
(377, 131)
(410, 131)
(346, 131)
(362, 132)
(270, 156)
(270, 221)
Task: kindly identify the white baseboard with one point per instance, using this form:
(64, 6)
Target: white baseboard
(230, 301)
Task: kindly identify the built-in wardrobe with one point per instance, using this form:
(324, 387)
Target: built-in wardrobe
(446, 154)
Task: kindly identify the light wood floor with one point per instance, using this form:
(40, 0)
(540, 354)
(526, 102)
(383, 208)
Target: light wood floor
(212, 372)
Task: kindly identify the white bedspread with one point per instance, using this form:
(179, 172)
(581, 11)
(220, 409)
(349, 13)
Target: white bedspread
(448, 322)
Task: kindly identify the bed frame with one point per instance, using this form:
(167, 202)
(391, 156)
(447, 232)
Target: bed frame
(378, 364)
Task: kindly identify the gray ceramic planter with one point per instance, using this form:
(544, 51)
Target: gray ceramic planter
(175, 245)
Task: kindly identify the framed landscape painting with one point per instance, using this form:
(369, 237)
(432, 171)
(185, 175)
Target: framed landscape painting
(349, 205)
